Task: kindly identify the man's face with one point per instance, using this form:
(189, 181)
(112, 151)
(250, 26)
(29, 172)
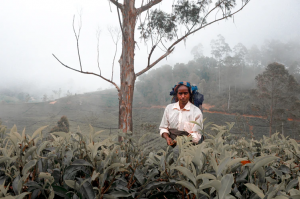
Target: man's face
(183, 95)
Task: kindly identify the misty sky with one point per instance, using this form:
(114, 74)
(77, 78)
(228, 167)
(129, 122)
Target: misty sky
(31, 30)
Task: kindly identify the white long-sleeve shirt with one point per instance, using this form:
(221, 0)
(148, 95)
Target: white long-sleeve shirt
(176, 118)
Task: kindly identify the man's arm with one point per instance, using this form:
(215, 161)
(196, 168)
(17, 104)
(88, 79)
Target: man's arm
(164, 124)
(169, 140)
(196, 128)
(199, 120)
(164, 128)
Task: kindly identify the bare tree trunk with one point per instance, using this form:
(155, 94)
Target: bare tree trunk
(282, 125)
(242, 70)
(235, 85)
(219, 80)
(228, 98)
(271, 109)
(254, 75)
(271, 121)
(127, 75)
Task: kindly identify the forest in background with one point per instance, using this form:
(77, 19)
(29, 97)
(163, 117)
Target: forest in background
(262, 81)
(228, 79)
(233, 68)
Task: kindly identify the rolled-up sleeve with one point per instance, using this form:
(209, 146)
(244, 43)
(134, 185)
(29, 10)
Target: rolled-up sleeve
(196, 130)
(163, 127)
(199, 120)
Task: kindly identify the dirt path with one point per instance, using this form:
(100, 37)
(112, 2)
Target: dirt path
(206, 108)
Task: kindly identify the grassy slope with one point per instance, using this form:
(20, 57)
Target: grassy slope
(101, 110)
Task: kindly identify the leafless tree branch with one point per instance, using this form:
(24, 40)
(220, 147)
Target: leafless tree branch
(153, 47)
(163, 45)
(121, 24)
(217, 5)
(98, 40)
(137, 45)
(77, 35)
(163, 50)
(89, 73)
(113, 32)
(117, 4)
(147, 6)
(154, 63)
(109, 6)
(158, 40)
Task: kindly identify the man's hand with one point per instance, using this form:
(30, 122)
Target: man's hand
(170, 142)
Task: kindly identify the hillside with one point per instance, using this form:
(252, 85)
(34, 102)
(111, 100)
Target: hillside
(101, 111)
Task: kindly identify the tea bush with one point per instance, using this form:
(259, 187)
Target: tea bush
(82, 166)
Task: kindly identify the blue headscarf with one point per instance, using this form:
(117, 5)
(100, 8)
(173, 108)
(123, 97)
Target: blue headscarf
(196, 97)
(191, 88)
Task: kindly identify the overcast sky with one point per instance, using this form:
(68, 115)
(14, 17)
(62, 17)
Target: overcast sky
(31, 30)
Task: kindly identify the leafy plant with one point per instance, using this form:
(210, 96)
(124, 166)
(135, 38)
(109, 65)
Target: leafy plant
(80, 165)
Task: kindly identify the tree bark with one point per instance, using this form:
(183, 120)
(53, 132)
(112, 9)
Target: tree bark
(271, 108)
(228, 105)
(219, 80)
(127, 75)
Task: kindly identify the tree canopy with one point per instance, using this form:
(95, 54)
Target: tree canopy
(161, 29)
(276, 94)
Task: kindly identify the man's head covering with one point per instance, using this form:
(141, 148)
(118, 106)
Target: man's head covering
(192, 88)
(196, 98)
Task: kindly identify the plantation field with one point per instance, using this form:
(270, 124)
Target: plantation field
(101, 111)
(88, 163)
(83, 166)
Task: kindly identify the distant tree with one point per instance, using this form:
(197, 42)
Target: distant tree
(51, 98)
(275, 94)
(294, 116)
(180, 72)
(240, 53)
(45, 98)
(156, 85)
(254, 60)
(194, 79)
(197, 51)
(294, 69)
(57, 93)
(230, 73)
(201, 86)
(161, 30)
(27, 98)
(206, 66)
(19, 96)
(68, 94)
(274, 51)
(220, 50)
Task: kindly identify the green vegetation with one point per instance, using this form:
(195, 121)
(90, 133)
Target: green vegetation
(276, 95)
(84, 166)
(256, 81)
(226, 78)
(62, 125)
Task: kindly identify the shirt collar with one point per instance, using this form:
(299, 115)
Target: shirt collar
(186, 107)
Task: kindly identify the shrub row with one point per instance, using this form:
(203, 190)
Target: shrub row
(81, 165)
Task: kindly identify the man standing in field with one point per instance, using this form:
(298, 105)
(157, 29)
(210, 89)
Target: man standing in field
(177, 116)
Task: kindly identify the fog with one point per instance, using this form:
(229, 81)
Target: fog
(32, 30)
